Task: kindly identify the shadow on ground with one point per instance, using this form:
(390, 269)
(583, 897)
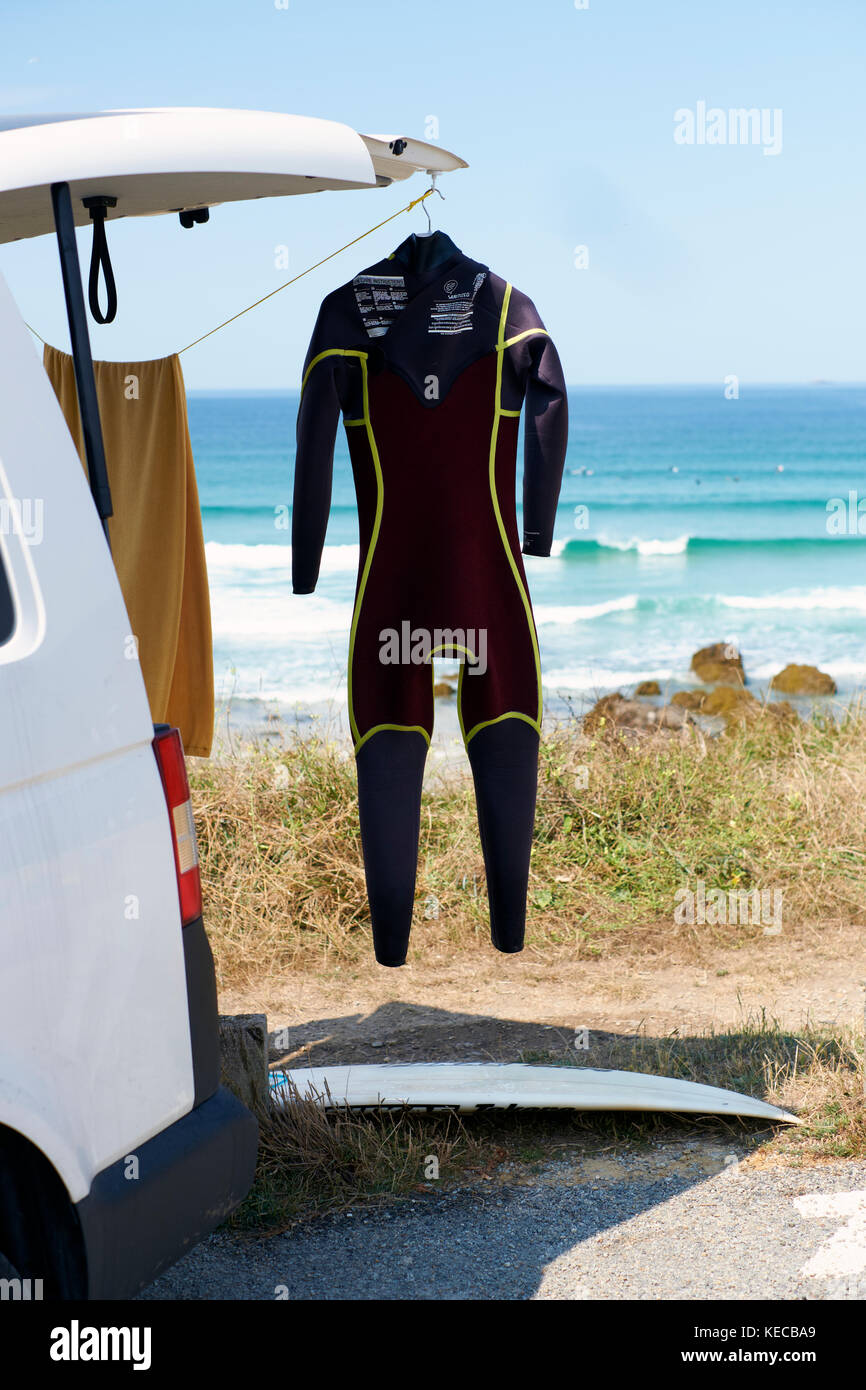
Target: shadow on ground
(561, 1188)
(399, 1032)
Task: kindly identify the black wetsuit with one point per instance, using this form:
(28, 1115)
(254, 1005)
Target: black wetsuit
(430, 358)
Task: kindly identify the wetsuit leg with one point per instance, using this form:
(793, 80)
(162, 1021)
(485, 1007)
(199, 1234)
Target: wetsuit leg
(390, 775)
(504, 761)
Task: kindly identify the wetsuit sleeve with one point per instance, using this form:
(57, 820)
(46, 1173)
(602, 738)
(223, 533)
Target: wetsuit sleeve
(545, 443)
(318, 418)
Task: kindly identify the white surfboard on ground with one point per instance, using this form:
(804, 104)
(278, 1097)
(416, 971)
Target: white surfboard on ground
(467, 1086)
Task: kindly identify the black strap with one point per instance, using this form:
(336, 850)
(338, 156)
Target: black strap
(100, 259)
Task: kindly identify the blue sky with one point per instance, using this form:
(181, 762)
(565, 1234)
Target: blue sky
(704, 260)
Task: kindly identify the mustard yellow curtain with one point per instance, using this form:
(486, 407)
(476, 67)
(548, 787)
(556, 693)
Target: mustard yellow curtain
(156, 531)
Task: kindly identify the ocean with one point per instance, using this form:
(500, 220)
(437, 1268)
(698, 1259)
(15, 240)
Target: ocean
(685, 518)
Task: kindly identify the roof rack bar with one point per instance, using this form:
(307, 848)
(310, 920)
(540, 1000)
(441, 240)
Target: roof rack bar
(85, 381)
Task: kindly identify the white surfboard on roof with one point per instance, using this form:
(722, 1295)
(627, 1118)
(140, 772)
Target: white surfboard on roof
(165, 159)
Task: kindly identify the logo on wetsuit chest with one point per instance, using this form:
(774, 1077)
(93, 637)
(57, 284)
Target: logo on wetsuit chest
(454, 313)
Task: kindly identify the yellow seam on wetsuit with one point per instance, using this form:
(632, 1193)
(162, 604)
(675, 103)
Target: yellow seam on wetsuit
(380, 502)
(494, 437)
(331, 352)
(509, 714)
(527, 333)
(452, 647)
(400, 728)
(460, 700)
(380, 497)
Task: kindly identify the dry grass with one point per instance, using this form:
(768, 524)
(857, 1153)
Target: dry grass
(313, 1162)
(619, 829)
(824, 1084)
(817, 1073)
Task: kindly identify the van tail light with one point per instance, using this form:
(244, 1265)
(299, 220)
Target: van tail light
(172, 767)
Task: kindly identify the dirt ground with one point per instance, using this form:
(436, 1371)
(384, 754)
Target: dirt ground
(483, 1006)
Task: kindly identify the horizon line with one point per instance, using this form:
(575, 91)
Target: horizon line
(817, 383)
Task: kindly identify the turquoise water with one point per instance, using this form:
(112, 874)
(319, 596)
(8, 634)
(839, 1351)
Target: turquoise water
(685, 518)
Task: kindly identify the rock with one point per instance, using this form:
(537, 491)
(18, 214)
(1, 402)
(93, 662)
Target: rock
(730, 703)
(614, 712)
(689, 699)
(741, 707)
(718, 673)
(648, 688)
(803, 680)
(719, 664)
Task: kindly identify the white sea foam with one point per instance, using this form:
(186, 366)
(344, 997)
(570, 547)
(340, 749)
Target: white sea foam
(223, 559)
(592, 679)
(851, 600)
(250, 683)
(672, 546)
(676, 545)
(273, 617)
(548, 613)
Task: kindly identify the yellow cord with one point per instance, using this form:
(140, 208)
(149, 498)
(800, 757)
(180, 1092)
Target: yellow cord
(295, 278)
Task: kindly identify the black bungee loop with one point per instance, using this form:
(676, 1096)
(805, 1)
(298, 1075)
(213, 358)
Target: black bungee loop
(100, 260)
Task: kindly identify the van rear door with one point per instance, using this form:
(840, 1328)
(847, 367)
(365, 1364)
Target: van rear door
(95, 1048)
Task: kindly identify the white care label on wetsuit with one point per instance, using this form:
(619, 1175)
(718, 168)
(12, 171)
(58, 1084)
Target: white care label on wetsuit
(380, 299)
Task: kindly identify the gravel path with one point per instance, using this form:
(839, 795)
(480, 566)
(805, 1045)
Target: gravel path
(685, 1222)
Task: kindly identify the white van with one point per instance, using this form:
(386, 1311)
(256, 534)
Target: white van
(119, 1149)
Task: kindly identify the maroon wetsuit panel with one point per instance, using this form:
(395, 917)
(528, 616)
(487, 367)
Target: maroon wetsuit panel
(427, 348)
(439, 564)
